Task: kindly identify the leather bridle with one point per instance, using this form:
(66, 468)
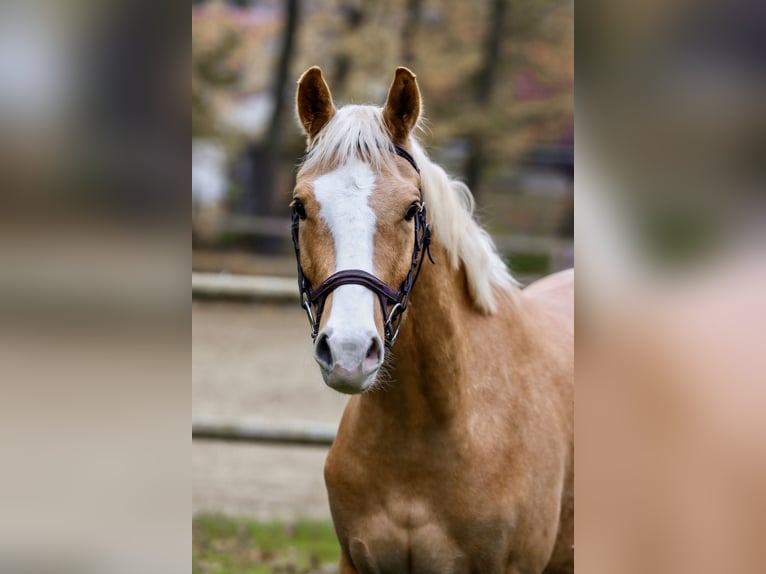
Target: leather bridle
(393, 303)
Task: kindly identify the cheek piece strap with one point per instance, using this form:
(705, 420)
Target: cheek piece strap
(393, 303)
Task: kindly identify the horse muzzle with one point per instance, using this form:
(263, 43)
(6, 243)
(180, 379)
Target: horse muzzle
(349, 364)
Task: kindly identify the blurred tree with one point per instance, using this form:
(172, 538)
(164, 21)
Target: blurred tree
(479, 57)
(261, 196)
(354, 15)
(484, 86)
(283, 79)
(496, 75)
(212, 72)
(409, 30)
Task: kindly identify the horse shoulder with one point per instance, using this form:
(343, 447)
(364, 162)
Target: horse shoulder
(549, 311)
(556, 292)
(551, 302)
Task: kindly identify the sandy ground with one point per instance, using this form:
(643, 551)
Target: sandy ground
(254, 360)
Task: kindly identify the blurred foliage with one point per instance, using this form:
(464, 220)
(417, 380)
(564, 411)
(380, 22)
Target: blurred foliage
(211, 73)
(359, 43)
(529, 263)
(228, 60)
(241, 546)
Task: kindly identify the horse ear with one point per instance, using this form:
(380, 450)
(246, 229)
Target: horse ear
(314, 102)
(402, 107)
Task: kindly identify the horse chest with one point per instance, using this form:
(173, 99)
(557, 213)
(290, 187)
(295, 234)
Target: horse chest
(380, 545)
(400, 531)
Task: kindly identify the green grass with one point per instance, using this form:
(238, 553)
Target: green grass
(529, 263)
(223, 545)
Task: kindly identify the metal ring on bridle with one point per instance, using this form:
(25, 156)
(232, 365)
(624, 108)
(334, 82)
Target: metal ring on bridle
(393, 322)
(306, 304)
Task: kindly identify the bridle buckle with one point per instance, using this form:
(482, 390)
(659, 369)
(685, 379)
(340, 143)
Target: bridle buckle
(306, 304)
(393, 322)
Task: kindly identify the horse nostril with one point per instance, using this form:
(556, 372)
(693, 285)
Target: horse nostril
(374, 352)
(322, 351)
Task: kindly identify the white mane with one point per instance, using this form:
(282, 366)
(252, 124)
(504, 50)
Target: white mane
(359, 132)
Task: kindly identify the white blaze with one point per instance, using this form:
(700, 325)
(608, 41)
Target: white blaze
(343, 199)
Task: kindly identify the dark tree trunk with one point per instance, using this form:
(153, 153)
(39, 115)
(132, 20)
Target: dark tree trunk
(265, 157)
(474, 163)
(282, 78)
(491, 51)
(414, 8)
(355, 17)
(485, 84)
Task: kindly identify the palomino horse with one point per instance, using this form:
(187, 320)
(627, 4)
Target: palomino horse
(455, 453)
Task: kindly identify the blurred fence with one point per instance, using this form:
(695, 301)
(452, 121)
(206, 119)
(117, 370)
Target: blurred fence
(559, 251)
(228, 286)
(299, 433)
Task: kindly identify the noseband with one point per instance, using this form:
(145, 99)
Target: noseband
(393, 303)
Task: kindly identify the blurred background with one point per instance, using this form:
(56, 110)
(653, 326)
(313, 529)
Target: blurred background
(94, 257)
(671, 260)
(497, 80)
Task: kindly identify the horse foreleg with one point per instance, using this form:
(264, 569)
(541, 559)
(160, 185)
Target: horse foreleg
(346, 567)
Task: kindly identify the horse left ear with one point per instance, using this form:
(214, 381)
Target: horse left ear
(402, 107)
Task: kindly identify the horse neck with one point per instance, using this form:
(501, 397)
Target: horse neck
(426, 376)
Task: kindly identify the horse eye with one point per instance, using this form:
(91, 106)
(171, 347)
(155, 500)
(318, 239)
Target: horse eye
(298, 207)
(412, 211)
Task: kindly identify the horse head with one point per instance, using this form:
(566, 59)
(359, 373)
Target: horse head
(359, 225)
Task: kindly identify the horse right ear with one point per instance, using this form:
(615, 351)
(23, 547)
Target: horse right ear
(313, 102)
